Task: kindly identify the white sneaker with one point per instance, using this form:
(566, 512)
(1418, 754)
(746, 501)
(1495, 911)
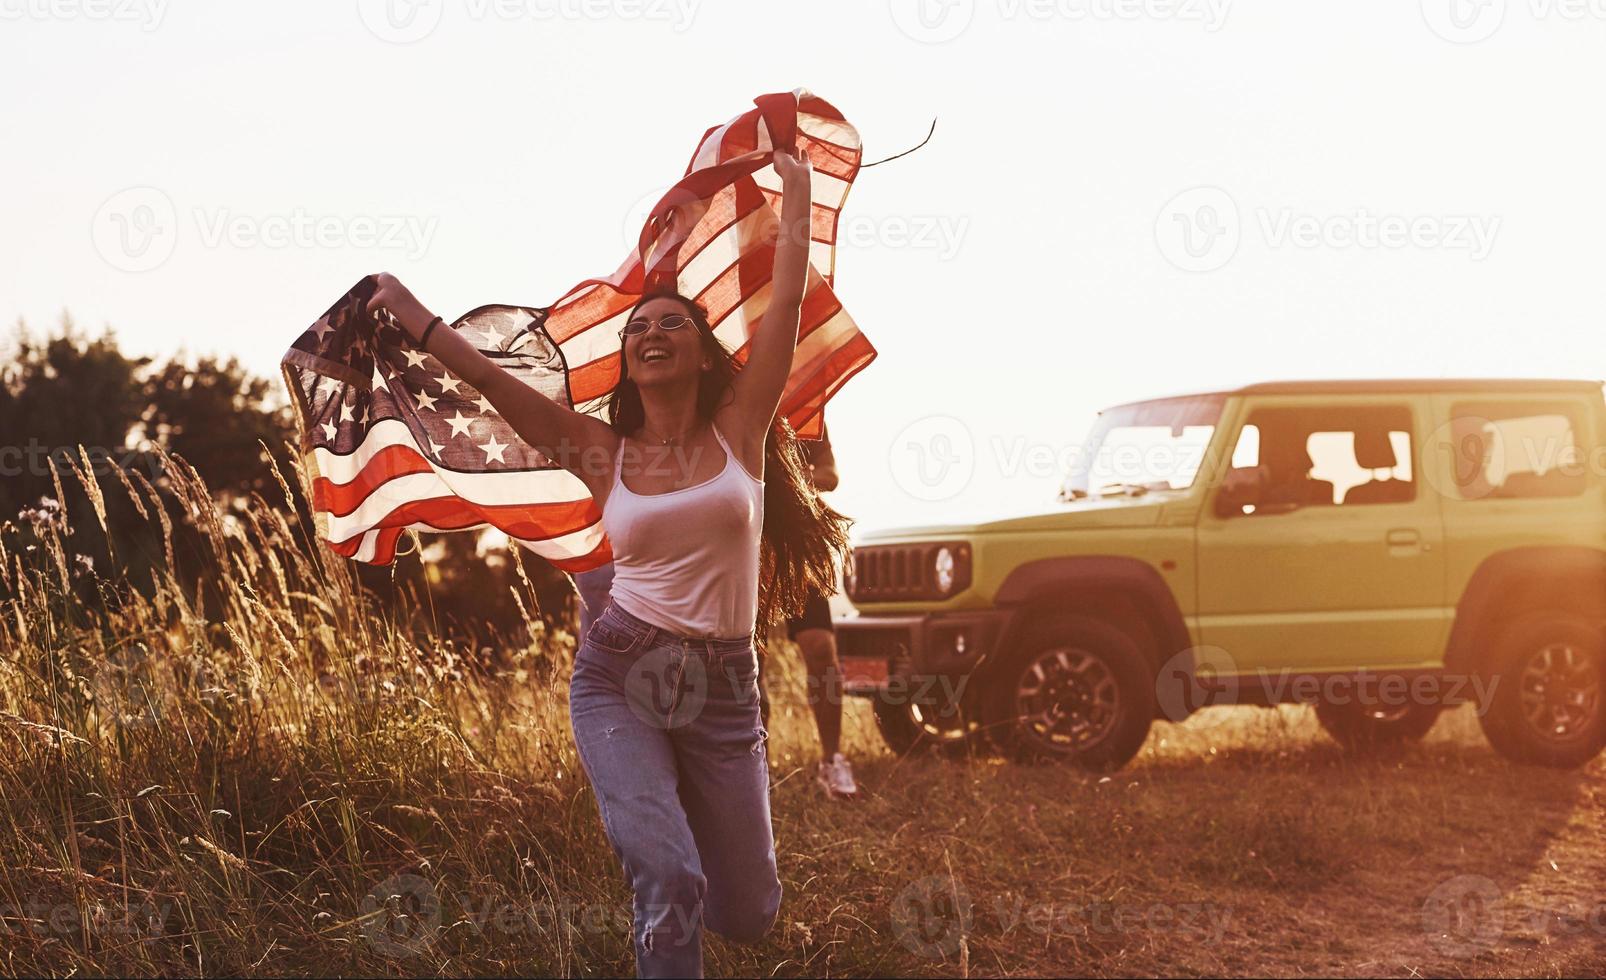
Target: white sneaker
(836, 778)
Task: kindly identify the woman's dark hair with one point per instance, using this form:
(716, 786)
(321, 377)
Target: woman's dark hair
(804, 540)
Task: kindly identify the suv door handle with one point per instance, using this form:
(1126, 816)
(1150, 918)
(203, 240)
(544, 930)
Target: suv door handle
(1404, 537)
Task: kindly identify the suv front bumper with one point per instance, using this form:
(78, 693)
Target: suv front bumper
(922, 645)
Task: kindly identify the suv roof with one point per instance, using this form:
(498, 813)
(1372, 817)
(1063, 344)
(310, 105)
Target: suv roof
(1390, 386)
(1419, 385)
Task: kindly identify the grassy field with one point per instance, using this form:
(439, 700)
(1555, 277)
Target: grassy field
(297, 784)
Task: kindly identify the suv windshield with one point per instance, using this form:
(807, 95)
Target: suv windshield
(1144, 446)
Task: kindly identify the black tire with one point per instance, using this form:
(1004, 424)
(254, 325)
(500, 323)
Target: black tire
(910, 728)
(1547, 705)
(1077, 690)
(1364, 728)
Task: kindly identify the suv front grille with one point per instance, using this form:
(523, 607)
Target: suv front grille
(892, 572)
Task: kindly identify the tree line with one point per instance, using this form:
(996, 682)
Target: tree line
(72, 403)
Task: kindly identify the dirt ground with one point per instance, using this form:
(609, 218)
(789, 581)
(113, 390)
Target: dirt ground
(1243, 842)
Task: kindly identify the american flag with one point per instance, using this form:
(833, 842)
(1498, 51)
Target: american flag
(392, 441)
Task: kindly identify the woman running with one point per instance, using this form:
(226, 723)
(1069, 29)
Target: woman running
(715, 530)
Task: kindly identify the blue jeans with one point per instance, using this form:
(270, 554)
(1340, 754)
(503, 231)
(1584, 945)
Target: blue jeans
(669, 733)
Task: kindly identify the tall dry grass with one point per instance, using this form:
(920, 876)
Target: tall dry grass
(263, 788)
(273, 772)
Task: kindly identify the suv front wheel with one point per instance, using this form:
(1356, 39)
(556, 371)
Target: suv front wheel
(1076, 689)
(911, 727)
(1546, 705)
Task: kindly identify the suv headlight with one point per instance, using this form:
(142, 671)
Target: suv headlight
(943, 573)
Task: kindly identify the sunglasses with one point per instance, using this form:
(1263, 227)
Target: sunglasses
(673, 321)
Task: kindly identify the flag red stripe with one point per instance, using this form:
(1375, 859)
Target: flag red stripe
(340, 499)
(529, 522)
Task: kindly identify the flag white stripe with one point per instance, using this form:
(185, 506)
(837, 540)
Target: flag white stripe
(340, 530)
(488, 488)
(566, 546)
(396, 493)
(823, 127)
(825, 189)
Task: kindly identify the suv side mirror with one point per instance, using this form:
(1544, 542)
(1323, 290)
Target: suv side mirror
(1241, 488)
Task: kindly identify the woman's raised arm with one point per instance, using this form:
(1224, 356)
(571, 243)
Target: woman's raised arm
(579, 443)
(758, 385)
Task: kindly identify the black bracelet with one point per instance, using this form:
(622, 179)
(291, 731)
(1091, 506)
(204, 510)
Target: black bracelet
(423, 340)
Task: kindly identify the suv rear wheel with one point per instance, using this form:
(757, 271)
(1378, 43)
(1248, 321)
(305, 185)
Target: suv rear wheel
(1076, 690)
(1363, 727)
(1546, 705)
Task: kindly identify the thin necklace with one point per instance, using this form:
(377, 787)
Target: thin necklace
(662, 440)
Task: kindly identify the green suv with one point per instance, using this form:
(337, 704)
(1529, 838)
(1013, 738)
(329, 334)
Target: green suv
(1379, 549)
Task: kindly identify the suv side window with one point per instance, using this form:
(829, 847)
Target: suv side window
(1328, 456)
(1503, 450)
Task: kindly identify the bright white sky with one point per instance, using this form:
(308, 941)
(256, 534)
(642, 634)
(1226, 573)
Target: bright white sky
(1025, 269)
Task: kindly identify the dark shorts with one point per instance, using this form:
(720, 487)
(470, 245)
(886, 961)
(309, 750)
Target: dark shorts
(816, 616)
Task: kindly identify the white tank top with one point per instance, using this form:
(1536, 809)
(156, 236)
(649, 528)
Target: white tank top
(687, 560)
